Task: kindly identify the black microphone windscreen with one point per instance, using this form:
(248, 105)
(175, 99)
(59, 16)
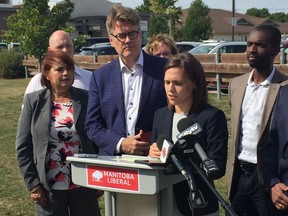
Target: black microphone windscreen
(183, 124)
(161, 139)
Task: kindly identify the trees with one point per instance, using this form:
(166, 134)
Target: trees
(158, 24)
(34, 22)
(198, 25)
(165, 16)
(264, 13)
(279, 16)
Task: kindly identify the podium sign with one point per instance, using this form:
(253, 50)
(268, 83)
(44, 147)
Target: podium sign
(145, 189)
(113, 177)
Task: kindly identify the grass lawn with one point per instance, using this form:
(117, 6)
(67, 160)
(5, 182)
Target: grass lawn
(14, 199)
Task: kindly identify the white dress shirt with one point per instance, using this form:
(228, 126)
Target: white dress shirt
(81, 80)
(251, 115)
(132, 85)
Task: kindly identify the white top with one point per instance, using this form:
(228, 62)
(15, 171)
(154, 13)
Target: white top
(132, 85)
(251, 116)
(176, 118)
(81, 80)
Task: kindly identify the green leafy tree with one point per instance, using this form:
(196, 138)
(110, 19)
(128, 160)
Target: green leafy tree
(145, 7)
(279, 16)
(158, 24)
(165, 8)
(263, 13)
(33, 24)
(198, 25)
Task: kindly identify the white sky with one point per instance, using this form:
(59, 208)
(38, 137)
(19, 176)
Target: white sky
(240, 5)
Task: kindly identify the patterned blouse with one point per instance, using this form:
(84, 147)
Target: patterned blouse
(64, 141)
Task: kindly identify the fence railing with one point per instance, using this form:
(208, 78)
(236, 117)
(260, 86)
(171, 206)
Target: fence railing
(219, 69)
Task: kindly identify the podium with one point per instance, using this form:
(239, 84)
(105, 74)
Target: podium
(130, 188)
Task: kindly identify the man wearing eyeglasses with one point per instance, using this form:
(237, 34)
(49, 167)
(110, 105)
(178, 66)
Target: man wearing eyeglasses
(125, 93)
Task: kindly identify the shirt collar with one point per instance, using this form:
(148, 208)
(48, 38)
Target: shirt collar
(139, 62)
(265, 82)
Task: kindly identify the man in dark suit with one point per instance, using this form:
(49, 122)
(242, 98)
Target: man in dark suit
(275, 174)
(252, 97)
(125, 93)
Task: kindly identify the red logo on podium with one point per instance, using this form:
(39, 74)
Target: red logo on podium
(117, 178)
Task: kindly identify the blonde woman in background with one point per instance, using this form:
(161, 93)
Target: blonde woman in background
(161, 45)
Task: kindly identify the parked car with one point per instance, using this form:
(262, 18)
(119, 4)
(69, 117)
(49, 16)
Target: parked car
(185, 46)
(92, 40)
(221, 47)
(204, 48)
(98, 49)
(230, 47)
(3, 45)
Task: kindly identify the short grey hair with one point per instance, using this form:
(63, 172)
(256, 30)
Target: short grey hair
(119, 14)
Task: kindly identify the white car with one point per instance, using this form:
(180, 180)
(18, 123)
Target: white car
(222, 47)
(185, 46)
(204, 48)
(230, 47)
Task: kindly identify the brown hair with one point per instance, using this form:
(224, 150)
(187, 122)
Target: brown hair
(157, 40)
(51, 58)
(195, 72)
(121, 14)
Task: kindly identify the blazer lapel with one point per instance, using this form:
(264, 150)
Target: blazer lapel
(116, 73)
(45, 107)
(238, 96)
(270, 101)
(76, 104)
(146, 85)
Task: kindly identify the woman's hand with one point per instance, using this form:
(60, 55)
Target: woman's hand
(154, 151)
(37, 194)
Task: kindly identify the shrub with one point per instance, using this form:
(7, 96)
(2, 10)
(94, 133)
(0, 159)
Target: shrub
(11, 64)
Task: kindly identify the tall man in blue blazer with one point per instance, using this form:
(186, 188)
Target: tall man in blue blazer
(125, 93)
(275, 166)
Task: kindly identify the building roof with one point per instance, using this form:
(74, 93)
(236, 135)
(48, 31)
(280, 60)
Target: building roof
(90, 8)
(221, 22)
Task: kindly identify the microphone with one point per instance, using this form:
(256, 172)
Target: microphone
(164, 143)
(161, 142)
(196, 198)
(192, 134)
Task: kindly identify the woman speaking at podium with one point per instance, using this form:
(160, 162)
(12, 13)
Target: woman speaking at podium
(187, 96)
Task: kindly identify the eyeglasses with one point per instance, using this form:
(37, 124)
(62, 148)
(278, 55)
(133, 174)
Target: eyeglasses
(164, 54)
(122, 36)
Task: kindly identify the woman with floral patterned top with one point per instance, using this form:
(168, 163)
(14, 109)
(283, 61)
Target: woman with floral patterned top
(50, 128)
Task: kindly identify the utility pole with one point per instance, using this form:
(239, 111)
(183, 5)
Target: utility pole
(233, 20)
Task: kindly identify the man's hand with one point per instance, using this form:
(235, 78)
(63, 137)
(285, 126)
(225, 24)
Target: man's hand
(279, 199)
(133, 145)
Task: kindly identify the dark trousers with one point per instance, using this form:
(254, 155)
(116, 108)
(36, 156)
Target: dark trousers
(250, 199)
(76, 202)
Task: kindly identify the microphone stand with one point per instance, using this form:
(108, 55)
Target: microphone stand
(223, 202)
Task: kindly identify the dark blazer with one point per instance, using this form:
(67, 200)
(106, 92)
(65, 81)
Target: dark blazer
(33, 133)
(213, 140)
(275, 166)
(105, 120)
(237, 89)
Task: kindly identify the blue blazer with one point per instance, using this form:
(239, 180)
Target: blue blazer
(213, 140)
(105, 120)
(275, 152)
